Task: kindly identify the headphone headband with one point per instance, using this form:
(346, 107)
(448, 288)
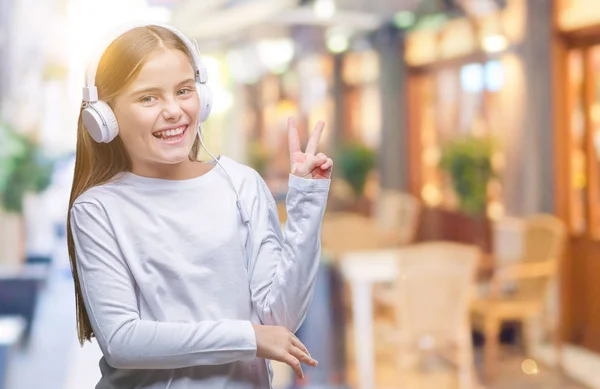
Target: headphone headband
(90, 93)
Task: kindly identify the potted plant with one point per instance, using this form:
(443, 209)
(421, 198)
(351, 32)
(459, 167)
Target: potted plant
(23, 170)
(355, 161)
(468, 163)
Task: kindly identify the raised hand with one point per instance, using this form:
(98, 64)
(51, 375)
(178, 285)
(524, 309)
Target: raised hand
(308, 164)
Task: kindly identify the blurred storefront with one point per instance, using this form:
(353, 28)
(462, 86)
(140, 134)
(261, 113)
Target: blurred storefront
(502, 74)
(466, 77)
(577, 150)
(481, 74)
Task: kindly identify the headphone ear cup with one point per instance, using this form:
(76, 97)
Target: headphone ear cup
(205, 96)
(100, 122)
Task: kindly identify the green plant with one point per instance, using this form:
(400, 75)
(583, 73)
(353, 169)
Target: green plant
(23, 168)
(355, 161)
(468, 162)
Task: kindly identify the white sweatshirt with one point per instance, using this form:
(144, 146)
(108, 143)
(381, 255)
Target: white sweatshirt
(168, 289)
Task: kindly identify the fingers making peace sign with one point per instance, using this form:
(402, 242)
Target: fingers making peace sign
(308, 164)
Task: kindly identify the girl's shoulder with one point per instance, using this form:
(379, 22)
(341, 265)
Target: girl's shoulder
(98, 194)
(237, 169)
(247, 181)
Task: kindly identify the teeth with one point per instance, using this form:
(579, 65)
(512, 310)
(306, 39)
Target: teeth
(168, 133)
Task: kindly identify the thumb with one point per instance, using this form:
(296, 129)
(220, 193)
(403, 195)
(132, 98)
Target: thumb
(319, 159)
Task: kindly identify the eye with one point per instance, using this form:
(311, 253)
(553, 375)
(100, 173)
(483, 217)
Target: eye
(184, 91)
(147, 99)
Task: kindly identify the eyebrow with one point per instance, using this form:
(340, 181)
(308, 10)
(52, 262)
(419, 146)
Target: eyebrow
(154, 89)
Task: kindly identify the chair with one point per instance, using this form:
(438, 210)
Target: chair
(344, 232)
(341, 196)
(394, 224)
(11, 329)
(543, 243)
(397, 217)
(20, 291)
(431, 299)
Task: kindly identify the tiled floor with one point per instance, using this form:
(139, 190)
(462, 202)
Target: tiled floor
(435, 373)
(45, 361)
(442, 376)
(512, 376)
(54, 360)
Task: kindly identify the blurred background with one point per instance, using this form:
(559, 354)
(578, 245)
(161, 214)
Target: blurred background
(462, 236)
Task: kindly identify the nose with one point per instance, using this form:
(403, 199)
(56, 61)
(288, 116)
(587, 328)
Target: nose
(172, 110)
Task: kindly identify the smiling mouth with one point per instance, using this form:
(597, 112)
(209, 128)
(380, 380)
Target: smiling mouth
(171, 135)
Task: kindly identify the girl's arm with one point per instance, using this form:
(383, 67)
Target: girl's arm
(128, 342)
(283, 269)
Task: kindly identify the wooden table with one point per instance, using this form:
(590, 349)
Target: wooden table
(362, 270)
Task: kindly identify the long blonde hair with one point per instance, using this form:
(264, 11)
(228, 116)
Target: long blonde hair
(97, 163)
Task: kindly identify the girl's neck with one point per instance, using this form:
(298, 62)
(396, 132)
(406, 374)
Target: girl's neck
(181, 171)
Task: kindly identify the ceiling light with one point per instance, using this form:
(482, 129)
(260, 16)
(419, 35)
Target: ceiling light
(276, 54)
(324, 9)
(338, 43)
(495, 43)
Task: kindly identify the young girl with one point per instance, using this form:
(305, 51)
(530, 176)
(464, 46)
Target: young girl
(181, 270)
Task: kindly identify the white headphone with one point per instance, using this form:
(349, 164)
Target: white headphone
(99, 119)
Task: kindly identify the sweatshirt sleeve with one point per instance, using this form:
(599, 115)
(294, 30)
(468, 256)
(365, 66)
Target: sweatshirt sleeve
(128, 342)
(284, 266)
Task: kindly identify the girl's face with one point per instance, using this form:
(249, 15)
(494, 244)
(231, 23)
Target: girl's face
(157, 113)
